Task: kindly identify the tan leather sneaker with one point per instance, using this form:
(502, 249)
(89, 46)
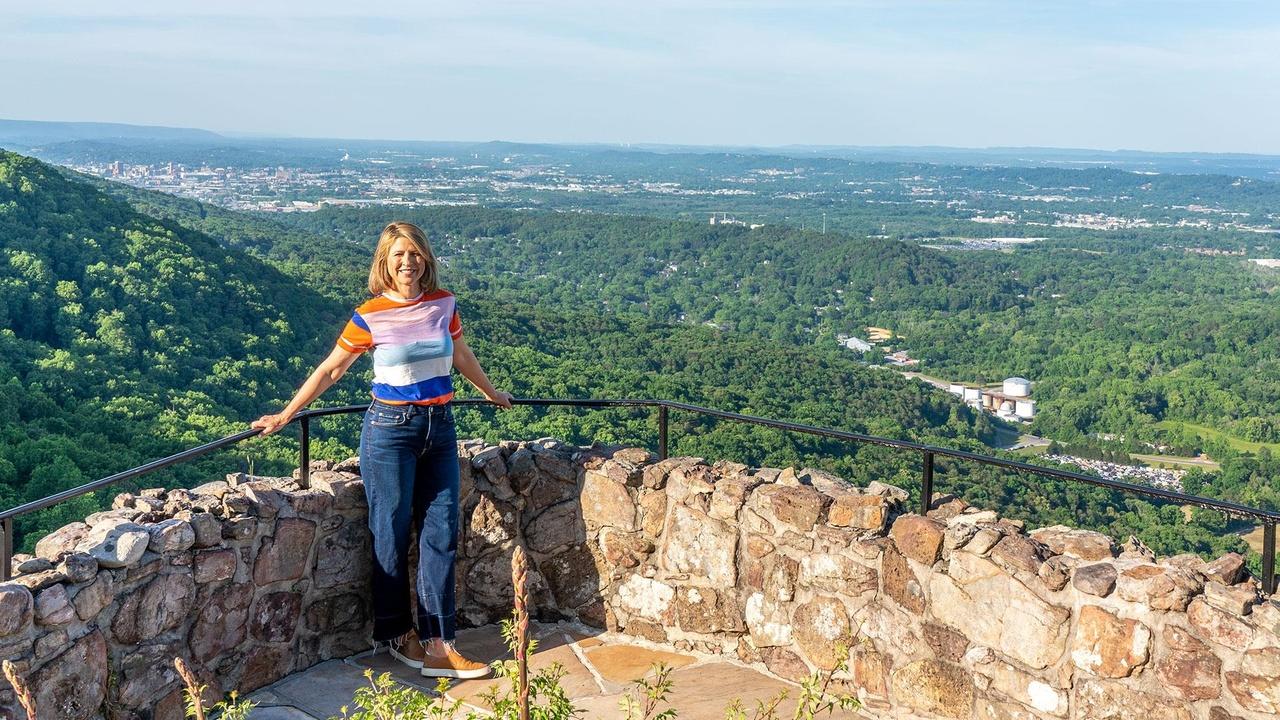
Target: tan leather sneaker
(408, 649)
(452, 665)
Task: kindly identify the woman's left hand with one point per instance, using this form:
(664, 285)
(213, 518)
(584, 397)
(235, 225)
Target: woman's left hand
(502, 399)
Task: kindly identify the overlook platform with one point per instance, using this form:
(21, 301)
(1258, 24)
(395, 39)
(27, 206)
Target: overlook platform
(599, 669)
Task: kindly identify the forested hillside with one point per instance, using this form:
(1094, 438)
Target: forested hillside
(129, 337)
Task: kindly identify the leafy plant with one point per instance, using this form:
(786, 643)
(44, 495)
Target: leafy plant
(232, 708)
(642, 700)
(384, 699)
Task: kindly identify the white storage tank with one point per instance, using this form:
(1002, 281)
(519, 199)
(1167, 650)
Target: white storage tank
(956, 389)
(1017, 387)
(1026, 409)
(973, 394)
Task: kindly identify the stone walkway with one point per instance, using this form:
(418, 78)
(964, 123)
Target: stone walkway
(600, 670)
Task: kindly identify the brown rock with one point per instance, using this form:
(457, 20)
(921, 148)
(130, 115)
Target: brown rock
(275, 616)
(16, 609)
(797, 507)
(221, 623)
(344, 612)
(606, 503)
(1217, 713)
(729, 495)
(983, 540)
(900, 582)
(342, 557)
(265, 665)
(1255, 693)
(214, 565)
(1228, 569)
(489, 577)
(1188, 667)
(1100, 700)
(704, 610)
(556, 527)
(700, 545)
(870, 670)
(73, 685)
(933, 686)
(653, 512)
(1235, 599)
(768, 622)
(162, 604)
(623, 550)
(346, 488)
(146, 674)
(284, 556)
(821, 628)
(1218, 626)
(864, 512)
(837, 574)
(1018, 553)
(1074, 543)
(1107, 646)
(1098, 579)
(785, 664)
(1160, 587)
(1055, 573)
(947, 644)
(53, 607)
(919, 538)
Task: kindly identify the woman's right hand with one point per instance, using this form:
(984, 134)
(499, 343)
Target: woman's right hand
(269, 424)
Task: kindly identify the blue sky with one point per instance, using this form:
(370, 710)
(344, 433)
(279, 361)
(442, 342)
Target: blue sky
(1168, 76)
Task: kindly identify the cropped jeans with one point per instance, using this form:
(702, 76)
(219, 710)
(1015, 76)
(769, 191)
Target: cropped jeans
(409, 463)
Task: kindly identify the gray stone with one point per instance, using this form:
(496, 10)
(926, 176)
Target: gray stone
(275, 616)
(32, 565)
(220, 624)
(53, 607)
(556, 527)
(1098, 579)
(171, 536)
(61, 541)
(115, 545)
(16, 608)
(284, 556)
(92, 598)
(160, 605)
(79, 567)
(73, 685)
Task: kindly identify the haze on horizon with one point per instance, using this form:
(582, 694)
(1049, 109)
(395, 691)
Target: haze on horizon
(1170, 76)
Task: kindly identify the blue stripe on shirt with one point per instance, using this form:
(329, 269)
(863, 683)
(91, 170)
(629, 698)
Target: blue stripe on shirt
(428, 389)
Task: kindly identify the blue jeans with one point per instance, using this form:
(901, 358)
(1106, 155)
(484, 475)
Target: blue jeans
(409, 463)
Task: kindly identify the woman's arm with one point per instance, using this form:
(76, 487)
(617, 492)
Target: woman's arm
(330, 370)
(469, 366)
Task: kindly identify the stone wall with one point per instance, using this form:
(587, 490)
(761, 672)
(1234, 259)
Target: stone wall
(959, 614)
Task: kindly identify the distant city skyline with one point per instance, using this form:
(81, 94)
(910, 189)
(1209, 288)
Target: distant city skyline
(1170, 76)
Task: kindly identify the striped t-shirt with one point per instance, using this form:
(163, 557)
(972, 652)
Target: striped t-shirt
(412, 343)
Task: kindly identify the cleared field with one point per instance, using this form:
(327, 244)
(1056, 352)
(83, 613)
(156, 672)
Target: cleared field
(1176, 462)
(1207, 433)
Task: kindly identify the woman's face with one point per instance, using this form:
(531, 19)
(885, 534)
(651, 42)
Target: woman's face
(406, 266)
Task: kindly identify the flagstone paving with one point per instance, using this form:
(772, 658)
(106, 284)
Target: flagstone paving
(599, 669)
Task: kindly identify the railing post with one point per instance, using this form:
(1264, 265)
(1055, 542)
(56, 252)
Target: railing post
(1269, 558)
(926, 485)
(6, 549)
(304, 454)
(662, 432)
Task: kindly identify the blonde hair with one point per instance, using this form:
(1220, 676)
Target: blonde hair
(380, 280)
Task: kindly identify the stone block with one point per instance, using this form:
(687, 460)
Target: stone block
(1028, 689)
(1078, 544)
(115, 545)
(606, 503)
(768, 622)
(53, 607)
(92, 598)
(934, 686)
(221, 623)
(998, 611)
(343, 557)
(61, 541)
(17, 609)
(918, 538)
(822, 631)
(1188, 667)
(274, 617)
(171, 536)
(554, 528)
(284, 556)
(572, 577)
(214, 565)
(1218, 626)
(837, 574)
(1228, 569)
(1254, 692)
(1158, 586)
(946, 643)
(1107, 646)
(797, 507)
(160, 605)
(73, 685)
(695, 543)
(79, 567)
(901, 582)
(855, 510)
(705, 610)
(1235, 599)
(1110, 700)
(1098, 579)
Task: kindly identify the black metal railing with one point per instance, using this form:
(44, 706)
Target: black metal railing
(928, 453)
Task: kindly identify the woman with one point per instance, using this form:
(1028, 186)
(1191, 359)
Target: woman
(408, 445)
